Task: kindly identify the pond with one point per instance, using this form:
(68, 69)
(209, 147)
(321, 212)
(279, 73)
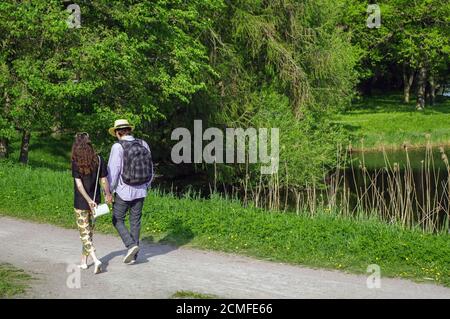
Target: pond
(416, 156)
(410, 186)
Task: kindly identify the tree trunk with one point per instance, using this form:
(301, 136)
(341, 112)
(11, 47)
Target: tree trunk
(3, 147)
(408, 78)
(432, 89)
(373, 80)
(23, 158)
(421, 83)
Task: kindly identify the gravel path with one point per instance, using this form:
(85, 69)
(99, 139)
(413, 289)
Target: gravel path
(48, 252)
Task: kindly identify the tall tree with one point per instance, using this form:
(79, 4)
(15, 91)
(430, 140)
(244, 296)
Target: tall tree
(147, 55)
(35, 70)
(413, 37)
(134, 59)
(285, 64)
(421, 43)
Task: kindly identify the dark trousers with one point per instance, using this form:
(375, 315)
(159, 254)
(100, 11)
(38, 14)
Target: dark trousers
(120, 209)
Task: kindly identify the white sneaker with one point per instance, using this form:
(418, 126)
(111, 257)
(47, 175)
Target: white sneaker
(98, 268)
(83, 266)
(132, 262)
(130, 255)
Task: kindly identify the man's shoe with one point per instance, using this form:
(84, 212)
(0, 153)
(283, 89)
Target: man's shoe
(130, 255)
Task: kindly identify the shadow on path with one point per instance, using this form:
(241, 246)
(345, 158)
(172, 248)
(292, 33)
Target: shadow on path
(178, 236)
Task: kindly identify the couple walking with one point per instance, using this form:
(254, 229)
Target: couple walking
(125, 180)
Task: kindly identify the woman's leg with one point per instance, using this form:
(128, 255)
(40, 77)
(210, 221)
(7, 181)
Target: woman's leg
(91, 236)
(91, 229)
(84, 227)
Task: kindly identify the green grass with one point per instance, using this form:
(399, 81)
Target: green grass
(45, 151)
(49, 150)
(186, 294)
(325, 240)
(386, 121)
(13, 281)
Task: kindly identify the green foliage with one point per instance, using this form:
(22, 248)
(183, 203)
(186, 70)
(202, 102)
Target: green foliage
(129, 59)
(425, 33)
(33, 69)
(412, 34)
(306, 146)
(283, 64)
(324, 240)
(293, 47)
(146, 57)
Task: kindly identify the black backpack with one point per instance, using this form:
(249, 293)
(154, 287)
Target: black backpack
(137, 163)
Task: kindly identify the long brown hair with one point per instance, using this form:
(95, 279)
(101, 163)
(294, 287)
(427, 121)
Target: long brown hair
(83, 154)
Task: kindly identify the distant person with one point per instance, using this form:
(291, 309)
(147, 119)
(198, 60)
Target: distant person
(88, 170)
(130, 172)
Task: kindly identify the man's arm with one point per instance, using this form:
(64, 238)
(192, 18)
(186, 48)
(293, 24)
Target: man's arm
(115, 165)
(153, 168)
(105, 185)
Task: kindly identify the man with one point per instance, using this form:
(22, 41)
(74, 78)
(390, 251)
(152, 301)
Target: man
(130, 172)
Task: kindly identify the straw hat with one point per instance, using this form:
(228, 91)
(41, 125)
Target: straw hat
(119, 124)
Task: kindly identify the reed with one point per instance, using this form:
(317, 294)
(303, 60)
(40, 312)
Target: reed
(392, 193)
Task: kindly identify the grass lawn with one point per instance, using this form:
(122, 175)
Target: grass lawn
(13, 281)
(45, 151)
(325, 240)
(386, 121)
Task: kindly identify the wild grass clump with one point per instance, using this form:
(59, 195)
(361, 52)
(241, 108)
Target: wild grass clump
(13, 281)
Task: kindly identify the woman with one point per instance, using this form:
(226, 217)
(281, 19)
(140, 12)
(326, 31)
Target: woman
(85, 166)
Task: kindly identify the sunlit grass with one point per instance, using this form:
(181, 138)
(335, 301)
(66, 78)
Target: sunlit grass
(386, 121)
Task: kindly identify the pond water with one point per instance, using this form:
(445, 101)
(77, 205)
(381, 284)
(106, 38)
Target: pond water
(412, 185)
(416, 156)
(408, 186)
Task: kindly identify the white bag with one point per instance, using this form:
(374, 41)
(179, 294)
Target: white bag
(101, 209)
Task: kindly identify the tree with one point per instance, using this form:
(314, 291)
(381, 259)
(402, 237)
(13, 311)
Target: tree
(146, 56)
(372, 44)
(134, 59)
(413, 37)
(422, 42)
(284, 64)
(35, 73)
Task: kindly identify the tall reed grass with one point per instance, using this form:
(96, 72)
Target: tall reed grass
(395, 193)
